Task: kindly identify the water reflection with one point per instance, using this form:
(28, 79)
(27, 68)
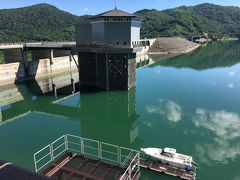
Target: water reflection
(225, 126)
(100, 114)
(144, 61)
(56, 85)
(213, 55)
(16, 101)
(236, 177)
(9, 95)
(221, 152)
(167, 108)
(72, 100)
(114, 115)
(167, 101)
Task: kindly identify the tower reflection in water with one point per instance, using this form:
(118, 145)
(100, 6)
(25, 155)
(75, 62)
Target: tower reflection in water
(106, 116)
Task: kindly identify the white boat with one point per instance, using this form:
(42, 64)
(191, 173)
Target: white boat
(170, 157)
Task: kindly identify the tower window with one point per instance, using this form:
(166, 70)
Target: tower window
(117, 43)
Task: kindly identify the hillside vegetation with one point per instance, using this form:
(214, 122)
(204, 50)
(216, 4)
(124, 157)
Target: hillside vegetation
(44, 22)
(37, 23)
(209, 19)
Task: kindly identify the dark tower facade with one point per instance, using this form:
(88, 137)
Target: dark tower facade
(107, 44)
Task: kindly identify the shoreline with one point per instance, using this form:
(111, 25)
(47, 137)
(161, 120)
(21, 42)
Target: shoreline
(189, 50)
(172, 45)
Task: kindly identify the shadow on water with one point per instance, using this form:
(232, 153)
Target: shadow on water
(213, 55)
(114, 112)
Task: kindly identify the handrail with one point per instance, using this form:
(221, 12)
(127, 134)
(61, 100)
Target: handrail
(101, 150)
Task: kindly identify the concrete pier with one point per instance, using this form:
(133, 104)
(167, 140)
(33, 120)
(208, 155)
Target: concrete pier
(107, 70)
(19, 66)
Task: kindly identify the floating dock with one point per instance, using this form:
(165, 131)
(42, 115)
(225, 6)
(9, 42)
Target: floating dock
(188, 175)
(80, 167)
(74, 158)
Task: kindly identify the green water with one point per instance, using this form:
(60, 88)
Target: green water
(190, 102)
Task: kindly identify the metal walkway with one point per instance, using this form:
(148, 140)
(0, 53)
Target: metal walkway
(73, 157)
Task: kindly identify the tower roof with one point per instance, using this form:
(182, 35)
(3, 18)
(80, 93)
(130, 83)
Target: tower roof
(116, 13)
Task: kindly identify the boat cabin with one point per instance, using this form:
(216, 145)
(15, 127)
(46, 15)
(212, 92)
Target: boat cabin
(168, 152)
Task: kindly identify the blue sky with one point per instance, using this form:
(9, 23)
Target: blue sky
(80, 7)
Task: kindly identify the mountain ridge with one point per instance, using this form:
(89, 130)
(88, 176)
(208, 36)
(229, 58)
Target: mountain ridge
(44, 22)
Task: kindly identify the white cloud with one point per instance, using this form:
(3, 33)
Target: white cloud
(232, 73)
(225, 125)
(85, 10)
(171, 110)
(230, 85)
(225, 128)
(208, 153)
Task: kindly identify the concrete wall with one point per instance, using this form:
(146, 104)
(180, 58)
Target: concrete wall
(98, 35)
(9, 73)
(42, 67)
(38, 68)
(109, 33)
(146, 48)
(118, 32)
(135, 31)
(13, 72)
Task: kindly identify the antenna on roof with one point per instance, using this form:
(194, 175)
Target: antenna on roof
(115, 4)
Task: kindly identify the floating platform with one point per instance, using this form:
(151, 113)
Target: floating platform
(80, 167)
(75, 158)
(167, 170)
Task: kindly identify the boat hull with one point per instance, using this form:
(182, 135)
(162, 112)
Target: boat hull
(172, 164)
(155, 154)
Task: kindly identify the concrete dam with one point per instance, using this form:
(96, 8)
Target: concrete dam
(105, 54)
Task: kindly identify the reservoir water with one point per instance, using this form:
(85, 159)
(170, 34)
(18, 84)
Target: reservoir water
(188, 102)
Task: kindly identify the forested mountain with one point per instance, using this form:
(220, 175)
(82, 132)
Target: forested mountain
(214, 20)
(44, 22)
(40, 22)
